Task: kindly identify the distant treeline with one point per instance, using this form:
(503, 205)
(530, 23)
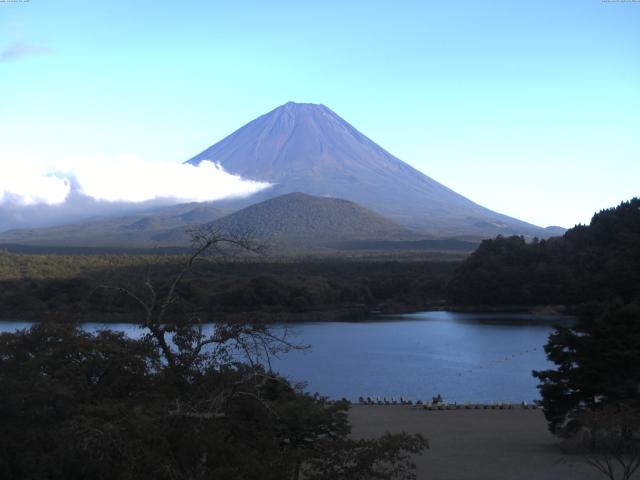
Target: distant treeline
(70, 286)
(75, 250)
(597, 262)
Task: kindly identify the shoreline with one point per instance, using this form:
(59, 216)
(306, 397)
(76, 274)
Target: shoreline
(342, 314)
(553, 310)
(477, 444)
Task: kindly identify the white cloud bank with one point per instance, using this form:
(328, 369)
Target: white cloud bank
(121, 180)
(29, 187)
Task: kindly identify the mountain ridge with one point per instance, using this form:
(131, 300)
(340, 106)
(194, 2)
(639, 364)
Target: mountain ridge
(308, 148)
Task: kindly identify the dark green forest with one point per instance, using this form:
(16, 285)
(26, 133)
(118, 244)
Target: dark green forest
(63, 287)
(594, 262)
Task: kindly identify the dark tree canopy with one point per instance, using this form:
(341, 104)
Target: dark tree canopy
(597, 365)
(77, 406)
(594, 262)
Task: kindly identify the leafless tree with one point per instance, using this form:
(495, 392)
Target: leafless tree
(183, 340)
(613, 444)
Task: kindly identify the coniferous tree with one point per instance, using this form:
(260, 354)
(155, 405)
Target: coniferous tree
(597, 365)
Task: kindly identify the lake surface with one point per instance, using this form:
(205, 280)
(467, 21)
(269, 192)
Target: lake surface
(462, 356)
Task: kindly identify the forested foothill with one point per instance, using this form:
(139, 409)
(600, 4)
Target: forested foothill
(594, 262)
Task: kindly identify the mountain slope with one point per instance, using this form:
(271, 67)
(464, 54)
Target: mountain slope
(310, 149)
(303, 219)
(293, 219)
(132, 230)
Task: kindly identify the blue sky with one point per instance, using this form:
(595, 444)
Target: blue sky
(531, 108)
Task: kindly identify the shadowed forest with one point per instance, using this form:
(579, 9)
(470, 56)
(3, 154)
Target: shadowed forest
(37, 287)
(593, 262)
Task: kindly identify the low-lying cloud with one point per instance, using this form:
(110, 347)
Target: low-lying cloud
(24, 187)
(129, 180)
(133, 180)
(18, 50)
(32, 196)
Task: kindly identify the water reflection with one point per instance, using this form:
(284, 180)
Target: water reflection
(463, 356)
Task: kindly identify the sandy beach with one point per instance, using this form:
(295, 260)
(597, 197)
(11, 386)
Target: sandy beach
(477, 444)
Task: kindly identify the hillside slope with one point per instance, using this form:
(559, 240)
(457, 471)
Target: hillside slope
(588, 263)
(303, 219)
(130, 231)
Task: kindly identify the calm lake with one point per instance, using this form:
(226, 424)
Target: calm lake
(462, 356)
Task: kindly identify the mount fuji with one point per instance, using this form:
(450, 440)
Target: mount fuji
(304, 147)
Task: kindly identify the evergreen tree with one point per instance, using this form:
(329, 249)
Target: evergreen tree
(598, 365)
